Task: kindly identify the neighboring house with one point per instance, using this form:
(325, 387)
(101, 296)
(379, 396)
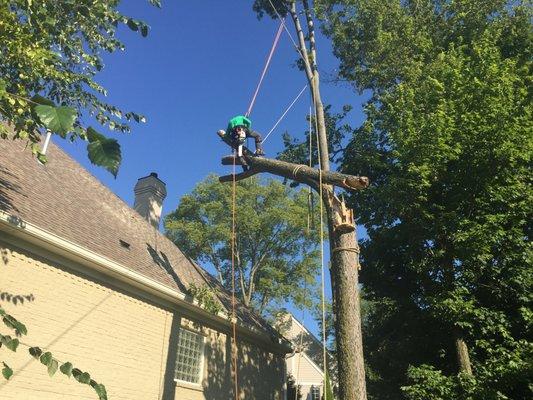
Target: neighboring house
(105, 290)
(305, 364)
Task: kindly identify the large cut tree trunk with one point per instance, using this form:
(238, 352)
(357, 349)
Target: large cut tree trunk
(344, 278)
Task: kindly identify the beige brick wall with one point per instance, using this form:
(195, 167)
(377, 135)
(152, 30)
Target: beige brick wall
(121, 339)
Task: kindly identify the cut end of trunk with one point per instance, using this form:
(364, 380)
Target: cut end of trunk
(356, 182)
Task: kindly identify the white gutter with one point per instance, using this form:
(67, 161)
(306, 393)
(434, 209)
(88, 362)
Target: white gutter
(28, 232)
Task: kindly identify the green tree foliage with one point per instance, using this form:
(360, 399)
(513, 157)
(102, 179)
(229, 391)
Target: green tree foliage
(50, 52)
(447, 146)
(276, 257)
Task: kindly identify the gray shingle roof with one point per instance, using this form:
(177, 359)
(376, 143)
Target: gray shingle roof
(65, 199)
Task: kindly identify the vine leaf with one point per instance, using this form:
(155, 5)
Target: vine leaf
(66, 369)
(35, 352)
(46, 358)
(7, 372)
(52, 367)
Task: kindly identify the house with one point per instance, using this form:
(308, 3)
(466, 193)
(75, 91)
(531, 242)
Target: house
(98, 285)
(305, 365)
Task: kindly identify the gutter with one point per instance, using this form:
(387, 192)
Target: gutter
(28, 232)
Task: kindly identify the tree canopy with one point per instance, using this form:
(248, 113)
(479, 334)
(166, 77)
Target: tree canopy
(447, 145)
(276, 257)
(50, 53)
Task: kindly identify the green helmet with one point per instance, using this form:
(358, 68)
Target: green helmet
(239, 120)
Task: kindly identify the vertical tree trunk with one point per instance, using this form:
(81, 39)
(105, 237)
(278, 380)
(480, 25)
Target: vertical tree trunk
(463, 359)
(344, 260)
(344, 278)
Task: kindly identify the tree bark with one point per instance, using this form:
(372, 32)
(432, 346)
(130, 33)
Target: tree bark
(345, 277)
(298, 172)
(463, 358)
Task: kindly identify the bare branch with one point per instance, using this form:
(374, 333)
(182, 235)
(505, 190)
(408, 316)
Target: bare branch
(298, 172)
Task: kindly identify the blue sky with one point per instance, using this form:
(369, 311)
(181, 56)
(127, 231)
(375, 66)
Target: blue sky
(197, 68)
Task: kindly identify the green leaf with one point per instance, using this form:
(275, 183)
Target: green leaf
(132, 25)
(7, 372)
(46, 358)
(3, 91)
(144, 30)
(84, 377)
(12, 344)
(103, 151)
(9, 342)
(52, 367)
(66, 369)
(58, 119)
(35, 352)
(42, 158)
(38, 99)
(100, 391)
(13, 323)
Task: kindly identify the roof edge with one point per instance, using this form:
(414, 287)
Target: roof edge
(31, 233)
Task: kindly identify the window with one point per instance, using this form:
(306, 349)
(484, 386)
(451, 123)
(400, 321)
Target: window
(315, 393)
(190, 356)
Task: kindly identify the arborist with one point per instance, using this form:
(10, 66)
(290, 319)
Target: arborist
(238, 130)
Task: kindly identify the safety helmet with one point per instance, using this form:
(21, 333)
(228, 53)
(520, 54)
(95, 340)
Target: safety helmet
(239, 120)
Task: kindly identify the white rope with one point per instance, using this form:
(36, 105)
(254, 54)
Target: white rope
(285, 27)
(283, 115)
(324, 350)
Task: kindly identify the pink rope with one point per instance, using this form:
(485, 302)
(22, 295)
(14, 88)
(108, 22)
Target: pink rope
(276, 40)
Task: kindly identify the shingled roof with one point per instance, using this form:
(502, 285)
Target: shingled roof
(63, 198)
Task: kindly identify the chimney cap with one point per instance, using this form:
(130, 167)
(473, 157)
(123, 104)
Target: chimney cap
(151, 175)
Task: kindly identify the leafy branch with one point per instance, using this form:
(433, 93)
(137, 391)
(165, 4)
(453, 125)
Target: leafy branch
(45, 357)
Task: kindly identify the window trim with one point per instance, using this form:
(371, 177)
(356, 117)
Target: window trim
(317, 388)
(187, 384)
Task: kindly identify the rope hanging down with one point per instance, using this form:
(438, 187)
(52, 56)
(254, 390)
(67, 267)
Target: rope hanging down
(276, 40)
(322, 280)
(234, 350)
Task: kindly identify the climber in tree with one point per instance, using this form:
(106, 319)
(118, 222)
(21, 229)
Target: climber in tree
(239, 128)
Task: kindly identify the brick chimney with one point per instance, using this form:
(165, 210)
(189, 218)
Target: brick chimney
(150, 192)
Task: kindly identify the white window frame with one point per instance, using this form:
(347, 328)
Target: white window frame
(182, 382)
(313, 388)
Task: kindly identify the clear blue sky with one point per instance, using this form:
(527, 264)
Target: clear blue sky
(197, 68)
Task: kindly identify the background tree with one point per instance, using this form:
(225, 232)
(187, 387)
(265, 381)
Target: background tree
(50, 52)
(276, 257)
(447, 146)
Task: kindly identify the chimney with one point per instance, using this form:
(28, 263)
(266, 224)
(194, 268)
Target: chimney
(150, 192)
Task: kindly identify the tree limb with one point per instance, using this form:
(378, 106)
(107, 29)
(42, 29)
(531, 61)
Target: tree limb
(297, 172)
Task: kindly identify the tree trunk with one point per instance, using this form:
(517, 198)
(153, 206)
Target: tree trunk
(343, 246)
(345, 285)
(463, 359)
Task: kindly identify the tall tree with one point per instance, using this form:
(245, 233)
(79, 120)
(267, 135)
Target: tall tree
(342, 240)
(276, 257)
(447, 146)
(51, 51)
